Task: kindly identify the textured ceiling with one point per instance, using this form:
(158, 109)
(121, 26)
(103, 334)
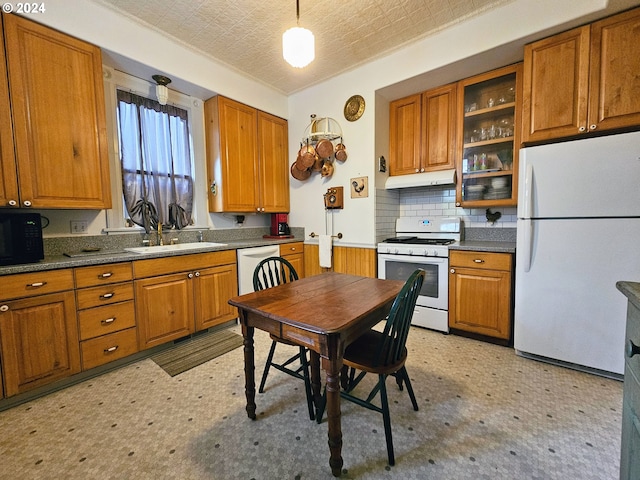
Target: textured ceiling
(247, 34)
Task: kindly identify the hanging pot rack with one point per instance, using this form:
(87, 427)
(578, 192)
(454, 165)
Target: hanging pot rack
(321, 128)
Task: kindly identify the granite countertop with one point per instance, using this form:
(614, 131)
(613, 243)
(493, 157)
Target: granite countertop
(631, 291)
(53, 262)
(484, 246)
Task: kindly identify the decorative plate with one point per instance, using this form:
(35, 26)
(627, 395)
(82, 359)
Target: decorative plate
(354, 108)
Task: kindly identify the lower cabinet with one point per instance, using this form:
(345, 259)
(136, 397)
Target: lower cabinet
(176, 296)
(39, 339)
(106, 313)
(351, 260)
(480, 293)
(294, 253)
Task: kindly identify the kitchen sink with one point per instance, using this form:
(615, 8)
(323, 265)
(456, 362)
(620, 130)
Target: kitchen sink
(178, 247)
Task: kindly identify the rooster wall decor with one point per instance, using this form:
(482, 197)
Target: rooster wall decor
(493, 217)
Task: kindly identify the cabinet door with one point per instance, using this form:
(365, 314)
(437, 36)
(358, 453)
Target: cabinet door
(213, 289)
(164, 309)
(614, 92)
(58, 107)
(555, 86)
(273, 146)
(404, 135)
(480, 301)
(297, 261)
(438, 128)
(39, 338)
(232, 156)
(8, 175)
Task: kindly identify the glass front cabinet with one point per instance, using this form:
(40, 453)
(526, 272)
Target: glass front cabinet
(489, 138)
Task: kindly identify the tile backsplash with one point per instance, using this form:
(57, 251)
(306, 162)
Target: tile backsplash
(432, 202)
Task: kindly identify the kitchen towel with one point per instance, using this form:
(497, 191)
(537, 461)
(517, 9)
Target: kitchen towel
(324, 243)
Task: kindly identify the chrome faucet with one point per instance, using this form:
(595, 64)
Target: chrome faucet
(160, 241)
(199, 236)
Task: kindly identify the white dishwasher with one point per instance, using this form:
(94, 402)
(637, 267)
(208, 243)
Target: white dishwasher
(248, 260)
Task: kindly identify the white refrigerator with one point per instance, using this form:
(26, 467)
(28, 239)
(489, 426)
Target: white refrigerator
(578, 233)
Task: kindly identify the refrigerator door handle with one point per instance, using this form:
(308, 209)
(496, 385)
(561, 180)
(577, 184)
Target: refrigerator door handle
(527, 237)
(528, 191)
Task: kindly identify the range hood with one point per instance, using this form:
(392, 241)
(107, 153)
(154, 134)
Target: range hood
(427, 179)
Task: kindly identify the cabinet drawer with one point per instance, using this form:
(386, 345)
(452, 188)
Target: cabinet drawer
(98, 321)
(182, 263)
(103, 274)
(36, 283)
(104, 295)
(291, 248)
(486, 260)
(108, 348)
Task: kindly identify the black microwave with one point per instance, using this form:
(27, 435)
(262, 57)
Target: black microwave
(20, 238)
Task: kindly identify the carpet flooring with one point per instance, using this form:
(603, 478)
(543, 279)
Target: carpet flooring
(197, 350)
(485, 413)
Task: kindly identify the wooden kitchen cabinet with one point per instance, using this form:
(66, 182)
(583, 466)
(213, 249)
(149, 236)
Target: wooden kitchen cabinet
(176, 296)
(294, 253)
(480, 293)
(351, 260)
(246, 158)
(106, 313)
(489, 138)
(38, 330)
(8, 173)
(59, 122)
(422, 131)
(584, 80)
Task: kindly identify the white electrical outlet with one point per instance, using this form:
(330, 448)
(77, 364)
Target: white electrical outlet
(79, 226)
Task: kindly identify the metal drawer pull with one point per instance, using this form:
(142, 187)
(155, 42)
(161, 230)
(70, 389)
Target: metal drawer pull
(4, 308)
(111, 349)
(478, 260)
(36, 284)
(106, 296)
(632, 349)
(107, 321)
(105, 275)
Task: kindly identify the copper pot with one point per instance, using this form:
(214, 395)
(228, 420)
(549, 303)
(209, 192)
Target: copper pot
(341, 152)
(324, 148)
(317, 165)
(299, 174)
(306, 156)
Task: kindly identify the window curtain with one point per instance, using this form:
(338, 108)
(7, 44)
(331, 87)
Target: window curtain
(156, 162)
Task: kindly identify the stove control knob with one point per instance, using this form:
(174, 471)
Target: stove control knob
(425, 253)
(410, 251)
(395, 251)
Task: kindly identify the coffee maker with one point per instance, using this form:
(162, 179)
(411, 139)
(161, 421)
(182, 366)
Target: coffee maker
(280, 225)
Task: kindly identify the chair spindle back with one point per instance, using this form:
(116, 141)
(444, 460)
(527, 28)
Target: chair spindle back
(273, 271)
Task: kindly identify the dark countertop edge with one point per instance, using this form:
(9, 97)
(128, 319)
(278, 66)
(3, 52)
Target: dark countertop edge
(484, 246)
(631, 290)
(56, 262)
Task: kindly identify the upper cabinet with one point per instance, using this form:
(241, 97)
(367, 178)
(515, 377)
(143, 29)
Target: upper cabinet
(246, 158)
(422, 131)
(488, 135)
(583, 80)
(58, 119)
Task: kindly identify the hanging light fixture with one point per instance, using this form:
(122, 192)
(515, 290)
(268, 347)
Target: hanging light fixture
(298, 44)
(162, 92)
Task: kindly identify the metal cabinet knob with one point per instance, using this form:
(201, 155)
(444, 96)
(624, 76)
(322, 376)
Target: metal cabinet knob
(190, 275)
(27, 203)
(12, 203)
(582, 129)
(631, 349)
(4, 308)
(453, 270)
(593, 127)
(197, 274)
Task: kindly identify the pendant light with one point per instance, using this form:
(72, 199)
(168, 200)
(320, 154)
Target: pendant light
(162, 92)
(298, 44)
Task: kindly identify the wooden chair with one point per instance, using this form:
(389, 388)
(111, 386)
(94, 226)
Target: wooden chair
(382, 353)
(271, 272)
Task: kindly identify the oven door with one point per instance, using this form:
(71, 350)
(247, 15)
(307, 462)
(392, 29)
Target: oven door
(435, 289)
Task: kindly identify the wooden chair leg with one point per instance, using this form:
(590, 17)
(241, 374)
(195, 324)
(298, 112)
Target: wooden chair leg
(307, 383)
(405, 375)
(267, 366)
(386, 418)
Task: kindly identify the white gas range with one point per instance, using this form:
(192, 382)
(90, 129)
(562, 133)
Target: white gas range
(423, 243)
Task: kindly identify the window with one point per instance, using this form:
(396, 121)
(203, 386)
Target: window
(155, 160)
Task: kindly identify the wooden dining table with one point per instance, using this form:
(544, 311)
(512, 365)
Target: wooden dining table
(324, 313)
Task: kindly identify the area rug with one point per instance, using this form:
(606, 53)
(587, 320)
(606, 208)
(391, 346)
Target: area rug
(196, 351)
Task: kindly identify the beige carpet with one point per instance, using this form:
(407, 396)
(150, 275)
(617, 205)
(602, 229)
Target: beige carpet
(195, 351)
(485, 414)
